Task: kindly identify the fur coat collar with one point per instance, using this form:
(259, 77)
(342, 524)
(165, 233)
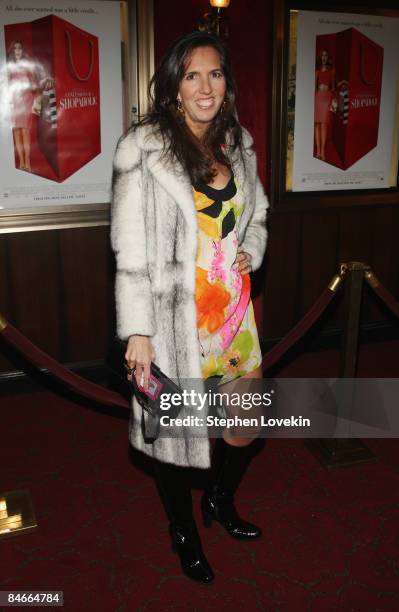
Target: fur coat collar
(174, 179)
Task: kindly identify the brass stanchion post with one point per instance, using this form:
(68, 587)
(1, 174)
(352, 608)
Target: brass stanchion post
(353, 302)
(17, 515)
(338, 452)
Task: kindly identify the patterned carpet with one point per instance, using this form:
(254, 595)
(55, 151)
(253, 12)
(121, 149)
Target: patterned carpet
(331, 538)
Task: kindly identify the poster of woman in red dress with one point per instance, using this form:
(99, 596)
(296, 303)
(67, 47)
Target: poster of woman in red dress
(325, 102)
(23, 86)
(26, 83)
(62, 101)
(347, 139)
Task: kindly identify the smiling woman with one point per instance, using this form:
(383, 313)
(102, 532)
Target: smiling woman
(188, 225)
(202, 89)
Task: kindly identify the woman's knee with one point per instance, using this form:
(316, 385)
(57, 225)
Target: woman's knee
(238, 440)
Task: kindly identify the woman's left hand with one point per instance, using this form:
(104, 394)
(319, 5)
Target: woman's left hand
(243, 261)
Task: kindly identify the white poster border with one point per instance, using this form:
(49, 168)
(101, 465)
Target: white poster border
(310, 174)
(60, 215)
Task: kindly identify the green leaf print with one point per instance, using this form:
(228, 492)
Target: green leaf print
(243, 343)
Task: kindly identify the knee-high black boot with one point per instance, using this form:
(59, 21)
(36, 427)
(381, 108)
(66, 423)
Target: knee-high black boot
(228, 467)
(175, 493)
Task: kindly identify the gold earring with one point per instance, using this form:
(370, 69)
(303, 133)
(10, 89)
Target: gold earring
(179, 106)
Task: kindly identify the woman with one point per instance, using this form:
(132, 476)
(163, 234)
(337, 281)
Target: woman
(22, 86)
(26, 81)
(188, 225)
(324, 99)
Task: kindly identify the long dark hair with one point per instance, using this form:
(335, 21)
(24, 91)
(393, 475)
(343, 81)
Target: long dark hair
(195, 156)
(11, 50)
(319, 62)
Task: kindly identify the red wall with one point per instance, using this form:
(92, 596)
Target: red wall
(250, 42)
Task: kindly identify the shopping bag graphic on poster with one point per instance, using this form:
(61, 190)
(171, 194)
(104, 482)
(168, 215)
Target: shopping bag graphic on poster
(347, 96)
(54, 93)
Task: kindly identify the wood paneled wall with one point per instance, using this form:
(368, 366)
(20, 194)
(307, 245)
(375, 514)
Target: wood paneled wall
(304, 253)
(57, 286)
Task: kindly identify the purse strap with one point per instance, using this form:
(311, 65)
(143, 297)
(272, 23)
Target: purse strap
(149, 433)
(150, 426)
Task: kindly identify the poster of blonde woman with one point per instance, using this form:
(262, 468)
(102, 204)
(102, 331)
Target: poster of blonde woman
(60, 71)
(344, 135)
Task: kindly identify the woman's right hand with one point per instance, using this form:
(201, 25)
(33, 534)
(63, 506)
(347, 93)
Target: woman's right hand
(139, 354)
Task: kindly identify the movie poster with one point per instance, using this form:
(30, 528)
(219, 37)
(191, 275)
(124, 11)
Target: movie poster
(60, 101)
(346, 96)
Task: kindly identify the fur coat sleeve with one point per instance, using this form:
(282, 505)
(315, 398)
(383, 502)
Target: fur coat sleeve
(255, 233)
(255, 237)
(134, 303)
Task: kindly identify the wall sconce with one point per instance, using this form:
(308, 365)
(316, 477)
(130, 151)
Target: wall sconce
(215, 21)
(219, 3)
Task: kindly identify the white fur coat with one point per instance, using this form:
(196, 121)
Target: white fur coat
(154, 237)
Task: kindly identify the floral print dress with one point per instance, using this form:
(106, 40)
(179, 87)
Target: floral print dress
(225, 317)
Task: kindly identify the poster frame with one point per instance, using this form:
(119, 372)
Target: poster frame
(281, 198)
(137, 50)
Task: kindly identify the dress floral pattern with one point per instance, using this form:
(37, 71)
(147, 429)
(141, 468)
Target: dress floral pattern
(225, 317)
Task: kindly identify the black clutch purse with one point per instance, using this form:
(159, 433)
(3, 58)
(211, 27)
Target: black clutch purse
(150, 400)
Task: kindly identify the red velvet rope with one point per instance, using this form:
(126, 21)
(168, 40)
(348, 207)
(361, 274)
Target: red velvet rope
(39, 358)
(383, 293)
(100, 394)
(299, 330)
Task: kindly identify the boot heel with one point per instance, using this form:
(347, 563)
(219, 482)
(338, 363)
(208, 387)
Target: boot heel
(207, 519)
(228, 467)
(187, 544)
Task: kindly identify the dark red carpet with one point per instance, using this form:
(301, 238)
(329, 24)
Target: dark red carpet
(331, 538)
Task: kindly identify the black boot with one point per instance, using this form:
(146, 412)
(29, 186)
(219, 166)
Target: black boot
(175, 492)
(228, 466)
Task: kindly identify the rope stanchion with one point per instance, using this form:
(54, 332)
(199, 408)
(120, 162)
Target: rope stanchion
(330, 452)
(39, 358)
(382, 292)
(305, 323)
(100, 394)
(3, 323)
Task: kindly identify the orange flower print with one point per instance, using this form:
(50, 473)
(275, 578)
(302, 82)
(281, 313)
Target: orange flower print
(211, 300)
